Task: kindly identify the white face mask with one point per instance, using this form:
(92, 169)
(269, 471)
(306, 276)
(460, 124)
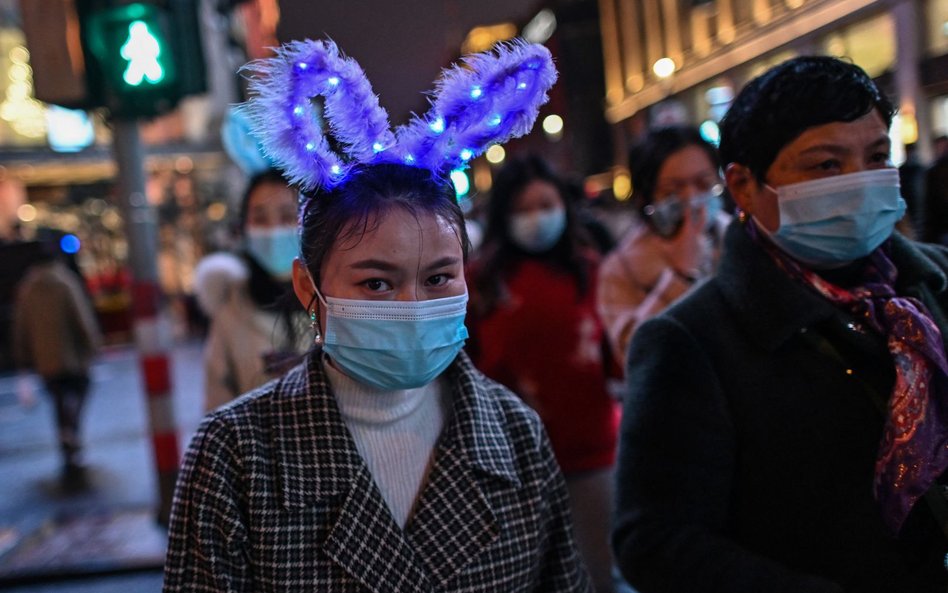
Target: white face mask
(539, 231)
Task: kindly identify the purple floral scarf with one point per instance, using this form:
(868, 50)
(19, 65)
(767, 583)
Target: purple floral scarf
(914, 447)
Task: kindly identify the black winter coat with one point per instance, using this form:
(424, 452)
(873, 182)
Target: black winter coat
(750, 434)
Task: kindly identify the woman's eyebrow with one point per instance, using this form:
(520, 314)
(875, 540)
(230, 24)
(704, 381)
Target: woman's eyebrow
(374, 264)
(443, 262)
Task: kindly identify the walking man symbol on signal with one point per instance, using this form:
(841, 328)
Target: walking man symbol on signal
(142, 50)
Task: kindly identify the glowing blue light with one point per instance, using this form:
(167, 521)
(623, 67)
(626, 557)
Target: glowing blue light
(377, 147)
(495, 121)
(522, 85)
(409, 158)
(302, 65)
(68, 130)
(467, 154)
(336, 169)
(476, 92)
(310, 146)
(69, 244)
(298, 110)
(710, 132)
(461, 182)
(333, 81)
(437, 126)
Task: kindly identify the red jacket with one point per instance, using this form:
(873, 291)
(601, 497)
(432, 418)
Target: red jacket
(545, 342)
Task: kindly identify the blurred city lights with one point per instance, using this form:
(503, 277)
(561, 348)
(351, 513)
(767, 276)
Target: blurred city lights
(710, 132)
(908, 126)
(483, 38)
(664, 67)
(462, 184)
(26, 213)
(541, 27)
(553, 125)
(183, 164)
(622, 186)
(216, 211)
(496, 154)
(68, 130)
(483, 180)
(69, 244)
(25, 114)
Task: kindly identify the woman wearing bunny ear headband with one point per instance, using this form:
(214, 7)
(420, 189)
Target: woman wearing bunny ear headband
(385, 461)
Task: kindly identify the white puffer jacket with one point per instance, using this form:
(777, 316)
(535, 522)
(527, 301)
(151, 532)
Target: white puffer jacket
(242, 337)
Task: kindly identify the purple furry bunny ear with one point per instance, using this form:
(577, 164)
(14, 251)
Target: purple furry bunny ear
(494, 97)
(292, 126)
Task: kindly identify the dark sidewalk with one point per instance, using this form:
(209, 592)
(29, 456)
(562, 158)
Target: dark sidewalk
(58, 538)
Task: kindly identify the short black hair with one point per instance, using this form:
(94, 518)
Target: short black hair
(647, 157)
(780, 104)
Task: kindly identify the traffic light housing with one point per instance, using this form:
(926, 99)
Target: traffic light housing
(142, 56)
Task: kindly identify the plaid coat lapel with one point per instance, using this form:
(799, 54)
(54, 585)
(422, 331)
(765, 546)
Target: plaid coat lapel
(453, 521)
(366, 543)
(319, 462)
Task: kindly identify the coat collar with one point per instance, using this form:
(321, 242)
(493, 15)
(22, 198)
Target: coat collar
(772, 307)
(318, 461)
(310, 435)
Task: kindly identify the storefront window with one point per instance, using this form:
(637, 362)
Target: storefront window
(936, 19)
(870, 44)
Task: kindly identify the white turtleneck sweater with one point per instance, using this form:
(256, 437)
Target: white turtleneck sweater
(395, 432)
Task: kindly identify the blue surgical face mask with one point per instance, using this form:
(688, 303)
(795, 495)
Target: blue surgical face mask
(539, 231)
(274, 248)
(394, 344)
(829, 222)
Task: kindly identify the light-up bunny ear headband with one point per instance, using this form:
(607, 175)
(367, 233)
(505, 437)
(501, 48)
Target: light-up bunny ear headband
(493, 97)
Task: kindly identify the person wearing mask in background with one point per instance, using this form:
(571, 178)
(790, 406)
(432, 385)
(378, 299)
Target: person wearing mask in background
(257, 329)
(55, 332)
(677, 184)
(786, 427)
(384, 461)
(534, 328)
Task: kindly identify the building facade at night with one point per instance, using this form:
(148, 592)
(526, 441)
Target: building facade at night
(682, 61)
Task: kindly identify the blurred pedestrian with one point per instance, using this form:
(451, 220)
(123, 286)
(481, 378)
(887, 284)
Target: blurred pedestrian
(385, 461)
(56, 334)
(934, 211)
(534, 328)
(257, 327)
(677, 184)
(912, 183)
(786, 427)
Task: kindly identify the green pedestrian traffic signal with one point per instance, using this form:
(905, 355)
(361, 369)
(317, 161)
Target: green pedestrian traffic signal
(143, 52)
(134, 58)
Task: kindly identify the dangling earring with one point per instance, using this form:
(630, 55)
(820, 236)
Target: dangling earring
(314, 323)
(313, 308)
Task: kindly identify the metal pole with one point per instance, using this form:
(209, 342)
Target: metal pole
(151, 327)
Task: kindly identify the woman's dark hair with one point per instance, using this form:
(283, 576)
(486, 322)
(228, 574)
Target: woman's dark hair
(500, 253)
(648, 156)
(779, 105)
(268, 176)
(354, 208)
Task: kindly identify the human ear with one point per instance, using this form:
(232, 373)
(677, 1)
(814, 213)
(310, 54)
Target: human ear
(302, 284)
(742, 185)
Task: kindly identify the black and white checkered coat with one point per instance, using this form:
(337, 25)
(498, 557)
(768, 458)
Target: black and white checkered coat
(274, 496)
